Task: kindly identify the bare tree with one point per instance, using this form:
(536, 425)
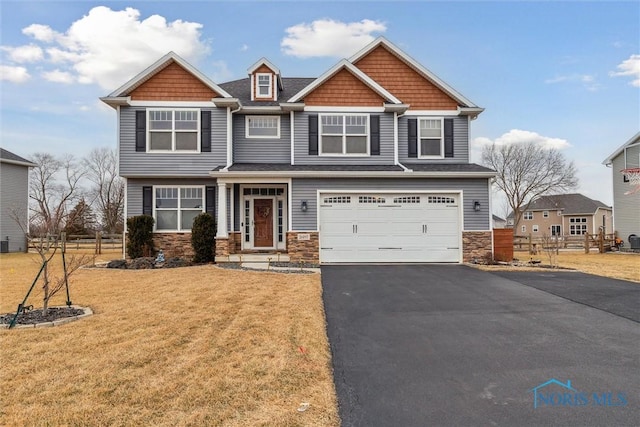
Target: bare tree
(54, 185)
(527, 171)
(108, 188)
(46, 246)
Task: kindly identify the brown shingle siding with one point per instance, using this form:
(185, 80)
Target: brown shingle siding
(343, 89)
(404, 82)
(263, 69)
(173, 83)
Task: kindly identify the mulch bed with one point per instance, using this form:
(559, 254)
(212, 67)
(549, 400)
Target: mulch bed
(32, 317)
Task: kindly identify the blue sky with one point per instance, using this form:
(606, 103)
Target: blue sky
(563, 74)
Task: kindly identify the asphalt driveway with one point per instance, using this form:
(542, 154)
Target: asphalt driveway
(419, 345)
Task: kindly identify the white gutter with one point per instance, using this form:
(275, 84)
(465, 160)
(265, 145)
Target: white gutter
(396, 142)
(349, 174)
(292, 127)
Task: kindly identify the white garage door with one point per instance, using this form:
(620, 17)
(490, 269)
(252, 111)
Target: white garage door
(384, 227)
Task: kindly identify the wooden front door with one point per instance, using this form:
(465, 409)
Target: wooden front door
(263, 223)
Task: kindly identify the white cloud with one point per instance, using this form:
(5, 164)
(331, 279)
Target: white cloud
(26, 53)
(588, 81)
(244, 48)
(629, 67)
(40, 32)
(57, 76)
(221, 71)
(517, 136)
(326, 37)
(109, 47)
(14, 74)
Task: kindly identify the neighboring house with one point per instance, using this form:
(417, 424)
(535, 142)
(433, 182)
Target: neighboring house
(367, 163)
(14, 201)
(626, 207)
(564, 215)
(499, 222)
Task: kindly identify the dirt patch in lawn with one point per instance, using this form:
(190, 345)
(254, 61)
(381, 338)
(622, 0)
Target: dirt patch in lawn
(617, 265)
(186, 346)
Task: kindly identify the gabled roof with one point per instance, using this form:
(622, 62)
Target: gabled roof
(158, 66)
(570, 204)
(427, 74)
(635, 139)
(264, 61)
(344, 64)
(8, 157)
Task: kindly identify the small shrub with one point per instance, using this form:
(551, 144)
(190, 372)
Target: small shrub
(140, 236)
(203, 238)
(117, 263)
(143, 263)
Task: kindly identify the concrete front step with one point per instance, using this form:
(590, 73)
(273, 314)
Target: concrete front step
(254, 258)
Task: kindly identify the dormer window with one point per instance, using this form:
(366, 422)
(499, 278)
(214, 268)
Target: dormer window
(264, 85)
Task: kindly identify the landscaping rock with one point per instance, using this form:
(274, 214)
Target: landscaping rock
(117, 263)
(176, 262)
(143, 263)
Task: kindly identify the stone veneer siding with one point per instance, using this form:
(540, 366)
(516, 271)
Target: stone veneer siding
(222, 246)
(173, 244)
(235, 242)
(303, 250)
(476, 245)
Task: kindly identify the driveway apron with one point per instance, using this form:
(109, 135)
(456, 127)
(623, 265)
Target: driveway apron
(417, 345)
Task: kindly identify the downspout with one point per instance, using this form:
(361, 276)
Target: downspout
(396, 159)
(230, 137)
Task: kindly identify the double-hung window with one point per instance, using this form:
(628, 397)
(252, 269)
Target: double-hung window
(263, 85)
(176, 207)
(174, 130)
(262, 126)
(431, 138)
(528, 215)
(344, 134)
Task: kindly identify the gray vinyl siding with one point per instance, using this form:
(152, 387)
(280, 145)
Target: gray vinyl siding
(626, 208)
(134, 191)
(261, 150)
(134, 163)
(301, 148)
(460, 142)
(472, 189)
(14, 188)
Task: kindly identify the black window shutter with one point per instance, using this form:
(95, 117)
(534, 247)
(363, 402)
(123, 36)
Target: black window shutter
(313, 135)
(141, 131)
(147, 201)
(210, 200)
(205, 131)
(413, 137)
(375, 135)
(448, 137)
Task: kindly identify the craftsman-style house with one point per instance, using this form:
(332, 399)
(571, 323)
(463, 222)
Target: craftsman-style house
(369, 162)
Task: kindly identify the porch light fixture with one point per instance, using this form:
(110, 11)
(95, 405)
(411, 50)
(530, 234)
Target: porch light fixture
(303, 206)
(476, 206)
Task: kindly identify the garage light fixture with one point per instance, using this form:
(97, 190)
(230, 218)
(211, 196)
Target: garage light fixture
(303, 206)
(476, 206)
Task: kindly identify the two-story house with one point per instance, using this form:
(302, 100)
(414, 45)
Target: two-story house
(626, 198)
(14, 201)
(369, 162)
(564, 215)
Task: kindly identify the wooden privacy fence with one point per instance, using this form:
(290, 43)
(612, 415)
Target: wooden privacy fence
(96, 242)
(503, 244)
(604, 242)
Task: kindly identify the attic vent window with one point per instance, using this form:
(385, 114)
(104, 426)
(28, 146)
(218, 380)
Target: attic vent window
(263, 86)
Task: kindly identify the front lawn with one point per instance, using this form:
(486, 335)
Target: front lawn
(185, 346)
